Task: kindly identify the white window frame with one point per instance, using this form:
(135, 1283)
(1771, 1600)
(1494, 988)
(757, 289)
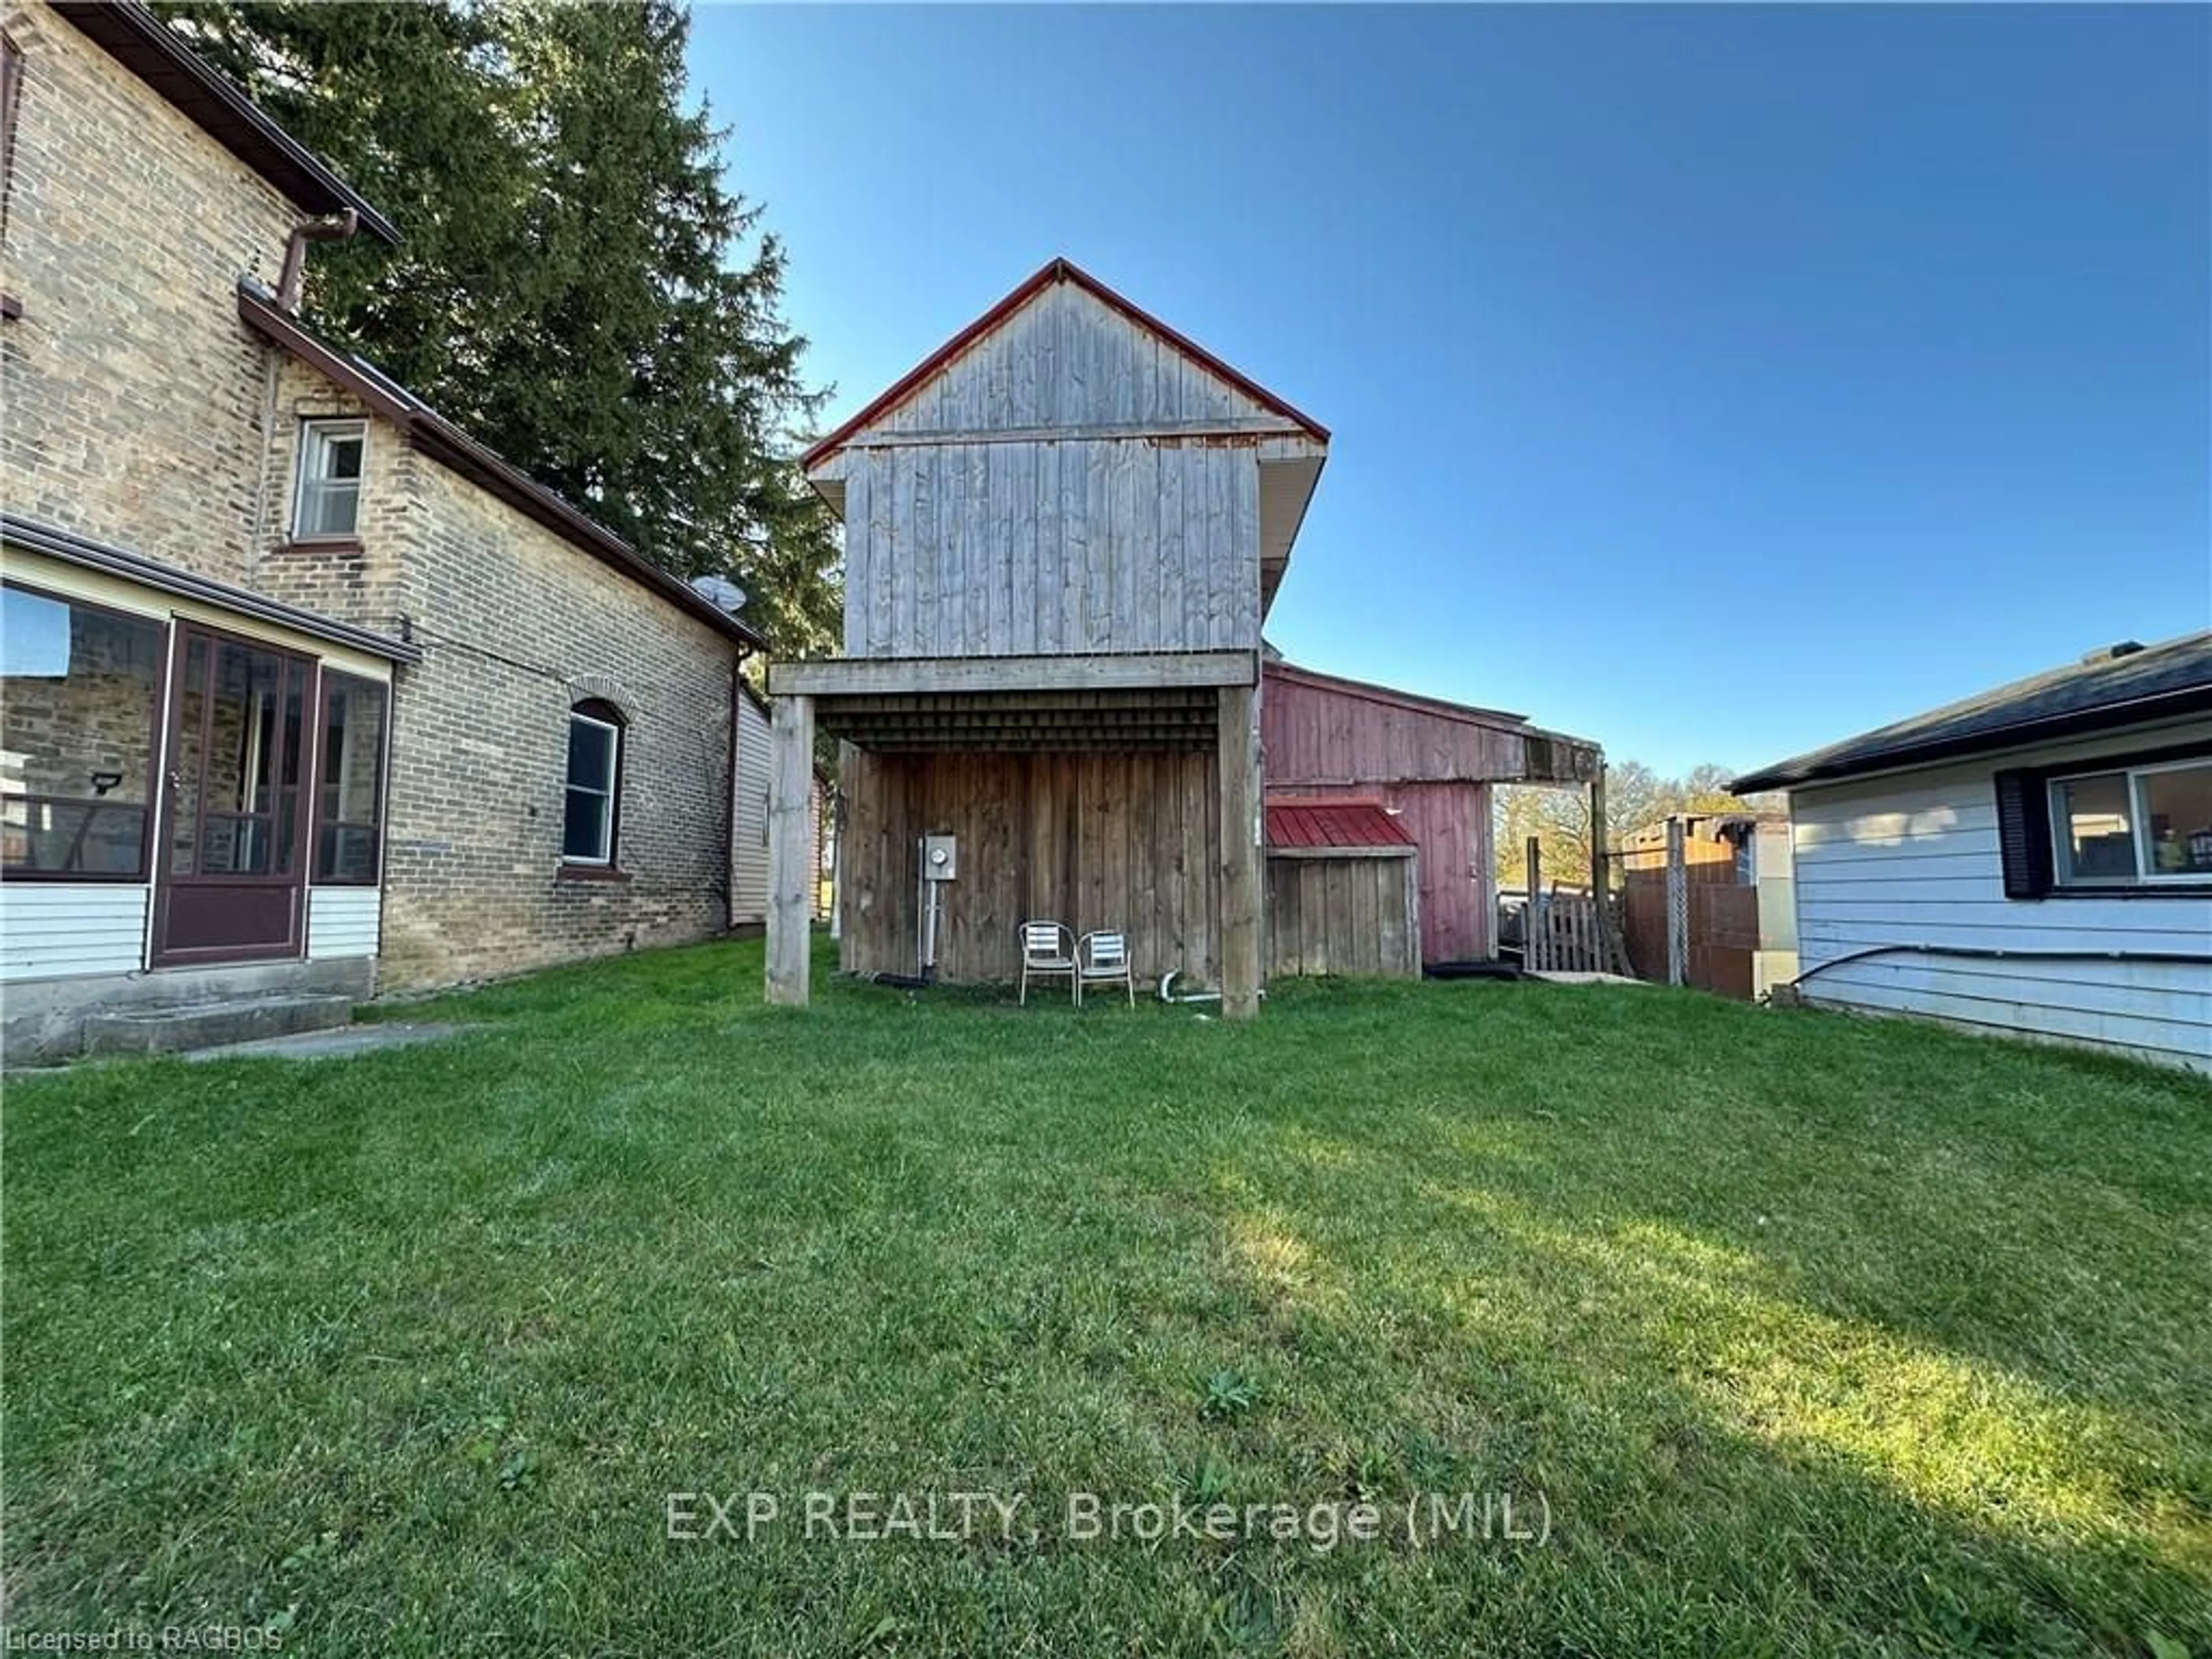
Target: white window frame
(2145, 874)
(606, 859)
(310, 481)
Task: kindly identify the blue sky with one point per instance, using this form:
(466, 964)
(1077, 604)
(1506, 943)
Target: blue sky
(1712, 382)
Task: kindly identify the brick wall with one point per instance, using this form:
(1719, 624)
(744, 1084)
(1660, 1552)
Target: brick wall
(515, 626)
(140, 411)
(134, 399)
(366, 582)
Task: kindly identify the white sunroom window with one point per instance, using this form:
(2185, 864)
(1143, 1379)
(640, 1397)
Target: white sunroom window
(327, 502)
(2146, 824)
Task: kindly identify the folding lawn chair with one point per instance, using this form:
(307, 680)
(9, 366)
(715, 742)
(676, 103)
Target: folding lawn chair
(1048, 950)
(1102, 958)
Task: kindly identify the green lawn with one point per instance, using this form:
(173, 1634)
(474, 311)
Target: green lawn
(1805, 1335)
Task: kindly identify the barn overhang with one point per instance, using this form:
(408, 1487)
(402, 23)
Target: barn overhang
(915, 705)
(1325, 731)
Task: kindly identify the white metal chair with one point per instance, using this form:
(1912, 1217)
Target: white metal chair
(1048, 951)
(1102, 958)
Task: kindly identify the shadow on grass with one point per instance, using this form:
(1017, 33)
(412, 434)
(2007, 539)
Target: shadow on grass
(1819, 1337)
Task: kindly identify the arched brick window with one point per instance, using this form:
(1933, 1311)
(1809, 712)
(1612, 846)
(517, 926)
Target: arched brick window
(593, 819)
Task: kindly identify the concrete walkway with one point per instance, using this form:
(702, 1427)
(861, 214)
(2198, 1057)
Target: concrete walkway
(335, 1044)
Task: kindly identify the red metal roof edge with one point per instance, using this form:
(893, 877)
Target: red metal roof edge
(1363, 823)
(1060, 270)
(489, 471)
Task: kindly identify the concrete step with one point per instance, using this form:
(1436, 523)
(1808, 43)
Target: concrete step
(167, 1031)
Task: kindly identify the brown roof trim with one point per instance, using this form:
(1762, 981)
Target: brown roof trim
(88, 555)
(159, 56)
(446, 443)
(1057, 270)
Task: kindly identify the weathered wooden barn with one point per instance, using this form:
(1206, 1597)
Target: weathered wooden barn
(1432, 765)
(1062, 532)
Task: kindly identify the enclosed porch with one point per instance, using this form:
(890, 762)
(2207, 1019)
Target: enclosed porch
(192, 792)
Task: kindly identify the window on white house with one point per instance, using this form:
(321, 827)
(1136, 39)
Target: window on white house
(327, 502)
(587, 834)
(2146, 824)
(2175, 805)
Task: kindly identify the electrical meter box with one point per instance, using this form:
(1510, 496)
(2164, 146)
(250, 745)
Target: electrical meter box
(940, 858)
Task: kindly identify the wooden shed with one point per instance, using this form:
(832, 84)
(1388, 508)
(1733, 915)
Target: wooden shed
(1342, 889)
(1062, 532)
(1430, 765)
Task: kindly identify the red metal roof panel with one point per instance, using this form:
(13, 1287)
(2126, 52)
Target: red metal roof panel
(1307, 821)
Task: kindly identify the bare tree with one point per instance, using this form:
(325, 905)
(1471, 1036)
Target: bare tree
(1636, 798)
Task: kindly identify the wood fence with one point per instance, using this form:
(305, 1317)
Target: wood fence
(1569, 933)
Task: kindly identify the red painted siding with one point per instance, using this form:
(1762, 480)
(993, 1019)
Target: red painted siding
(1318, 733)
(1431, 767)
(1451, 825)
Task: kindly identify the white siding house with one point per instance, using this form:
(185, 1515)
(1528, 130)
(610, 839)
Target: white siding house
(1962, 867)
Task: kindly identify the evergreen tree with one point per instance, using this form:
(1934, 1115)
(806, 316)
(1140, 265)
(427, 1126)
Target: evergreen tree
(576, 285)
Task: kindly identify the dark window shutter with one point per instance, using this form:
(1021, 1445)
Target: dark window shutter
(2024, 832)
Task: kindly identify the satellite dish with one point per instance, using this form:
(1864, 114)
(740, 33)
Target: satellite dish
(720, 592)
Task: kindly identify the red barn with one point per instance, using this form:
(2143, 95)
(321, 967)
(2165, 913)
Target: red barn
(1430, 764)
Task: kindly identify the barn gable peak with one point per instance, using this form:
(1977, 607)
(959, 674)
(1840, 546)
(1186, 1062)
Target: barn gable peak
(1063, 350)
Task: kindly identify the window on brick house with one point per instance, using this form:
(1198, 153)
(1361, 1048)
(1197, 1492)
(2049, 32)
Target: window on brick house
(77, 737)
(595, 803)
(326, 503)
(349, 796)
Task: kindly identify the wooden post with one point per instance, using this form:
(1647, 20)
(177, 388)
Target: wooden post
(838, 815)
(1597, 834)
(1532, 915)
(1678, 905)
(1239, 782)
(790, 851)
(1612, 949)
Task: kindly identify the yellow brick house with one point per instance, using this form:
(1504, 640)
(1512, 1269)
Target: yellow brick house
(307, 692)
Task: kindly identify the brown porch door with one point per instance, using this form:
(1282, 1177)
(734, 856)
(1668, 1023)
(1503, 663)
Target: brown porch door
(231, 886)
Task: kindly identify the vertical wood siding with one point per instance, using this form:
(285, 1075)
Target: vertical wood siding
(1071, 483)
(1430, 768)
(1095, 841)
(1067, 359)
(1449, 822)
(1348, 915)
(52, 929)
(1913, 860)
(1064, 545)
(1318, 735)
